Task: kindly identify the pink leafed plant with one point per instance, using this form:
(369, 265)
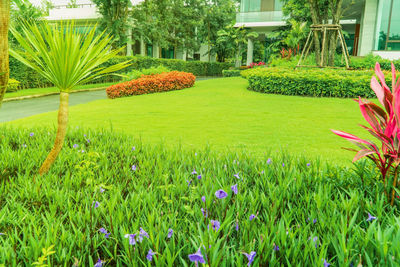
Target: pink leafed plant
(385, 127)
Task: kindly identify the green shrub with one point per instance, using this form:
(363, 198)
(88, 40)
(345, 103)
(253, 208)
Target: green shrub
(231, 73)
(310, 82)
(310, 209)
(133, 75)
(13, 85)
(155, 70)
(30, 79)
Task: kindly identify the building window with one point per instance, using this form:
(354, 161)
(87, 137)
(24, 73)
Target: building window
(388, 26)
(250, 6)
(149, 50)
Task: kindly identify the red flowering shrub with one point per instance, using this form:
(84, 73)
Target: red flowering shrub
(259, 64)
(148, 84)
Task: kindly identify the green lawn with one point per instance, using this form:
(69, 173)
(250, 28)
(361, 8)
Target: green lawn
(47, 90)
(224, 114)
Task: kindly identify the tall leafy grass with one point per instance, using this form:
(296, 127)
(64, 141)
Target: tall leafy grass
(312, 211)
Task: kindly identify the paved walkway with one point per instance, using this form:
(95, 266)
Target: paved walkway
(14, 110)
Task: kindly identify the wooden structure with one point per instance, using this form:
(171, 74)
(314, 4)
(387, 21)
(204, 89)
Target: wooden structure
(324, 29)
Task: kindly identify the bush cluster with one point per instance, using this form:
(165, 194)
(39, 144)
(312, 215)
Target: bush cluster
(13, 85)
(231, 73)
(285, 209)
(310, 82)
(135, 74)
(31, 79)
(147, 84)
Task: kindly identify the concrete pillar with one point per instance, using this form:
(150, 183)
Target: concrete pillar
(368, 27)
(156, 50)
(250, 49)
(142, 47)
(129, 43)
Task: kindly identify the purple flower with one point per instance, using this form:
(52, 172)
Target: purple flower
(205, 213)
(315, 240)
(197, 257)
(189, 182)
(215, 225)
(250, 257)
(370, 217)
(104, 231)
(283, 164)
(262, 172)
(269, 161)
(24, 145)
(326, 264)
(199, 177)
(203, 198)
(133, 148)
(314, 221)
(134, 167)
(96, 204)
(102, 189)
(252, 217)
(83, 151)
(99, 263)
(75, 146)
(308, 164)
(194, 171)
(143, 233)
(170, 233)
(234, 189)
(131, 237)
(237, 227)
(2, 234)
(221, 194)
(31, 134)
(237, 175)
(150, 255)
(276, 248)
(88, 140)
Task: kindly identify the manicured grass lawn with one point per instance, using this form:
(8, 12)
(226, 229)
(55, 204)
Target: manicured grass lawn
(224, 114)
(39, 91)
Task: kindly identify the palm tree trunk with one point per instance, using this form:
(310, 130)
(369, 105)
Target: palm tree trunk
(61, 132)
(4, 67)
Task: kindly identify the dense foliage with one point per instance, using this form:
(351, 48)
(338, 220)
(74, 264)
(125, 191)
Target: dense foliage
(147, 84)
(231, 73)
(134, 74)
(31, 79)
(310, 82)
(287, 210)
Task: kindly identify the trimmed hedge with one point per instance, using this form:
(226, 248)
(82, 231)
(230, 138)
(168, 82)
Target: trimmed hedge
(31, 79)
(310, 82)
(13, 85)
(148, 84)
(231, 73)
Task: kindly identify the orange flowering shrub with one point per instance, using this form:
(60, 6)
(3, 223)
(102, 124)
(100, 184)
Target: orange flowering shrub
(148, 84)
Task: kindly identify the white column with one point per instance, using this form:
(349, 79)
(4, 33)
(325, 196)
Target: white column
(129, 43)
(142, 47)
(367, 36)
(250, 49)
(156, 50)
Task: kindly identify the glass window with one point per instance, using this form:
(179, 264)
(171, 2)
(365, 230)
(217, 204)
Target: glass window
(278, 5)
(395, 22)
(250, 6)
(388, 26)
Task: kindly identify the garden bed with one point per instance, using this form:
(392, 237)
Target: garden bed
(105, 186)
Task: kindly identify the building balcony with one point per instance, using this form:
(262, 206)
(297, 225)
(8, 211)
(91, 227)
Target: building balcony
(262, 18)
(82, 12)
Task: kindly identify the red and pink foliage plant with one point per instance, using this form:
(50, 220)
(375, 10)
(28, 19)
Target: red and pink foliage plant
(385, 127)
(259, 64)
(148, 84)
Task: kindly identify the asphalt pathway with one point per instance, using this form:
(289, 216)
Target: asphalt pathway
(18, 109)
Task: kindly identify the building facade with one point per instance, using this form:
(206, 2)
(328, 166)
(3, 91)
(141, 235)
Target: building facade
(372, 25)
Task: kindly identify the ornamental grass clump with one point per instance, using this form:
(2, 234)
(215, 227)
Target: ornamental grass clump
(385, 127)
(66, 58)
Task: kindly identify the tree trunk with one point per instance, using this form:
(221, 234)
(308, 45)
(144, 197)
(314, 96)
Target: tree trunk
(316, 19)
(4, 58)
(61, 132)
(336, 10)
(237, 61)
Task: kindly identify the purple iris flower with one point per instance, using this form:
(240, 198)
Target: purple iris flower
(199, 177)
(75, 146)
(150, 255)
(203, 198)
(31, 134)
(370, 217)
(134, 167)
(215, 225)
(133, 148)
(276, 248)
(283, 164)
(221, 194)
(315, 240)
(326, 264)
(262, 172)
(197, 257)
(88, 140)
(24, 145)
(308, 164)
(237, 227)
(189, 182)
(194, 171)
(83, 151)
(237, 175)
(252, 217)
(170, 233)
(102, 189)
(104, 231)
(314, 221)
(250, 257)
(99, 263)
(96, 204)
(205, 213)
(234, 189)
(131, 237)
(269, 161)
(143, 233)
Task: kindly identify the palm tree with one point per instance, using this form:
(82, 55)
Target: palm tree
(67, 59)
(4, 67)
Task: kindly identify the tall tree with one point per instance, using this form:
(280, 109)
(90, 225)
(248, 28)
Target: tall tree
(115, 19)
(4, 67)
(67, 59)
